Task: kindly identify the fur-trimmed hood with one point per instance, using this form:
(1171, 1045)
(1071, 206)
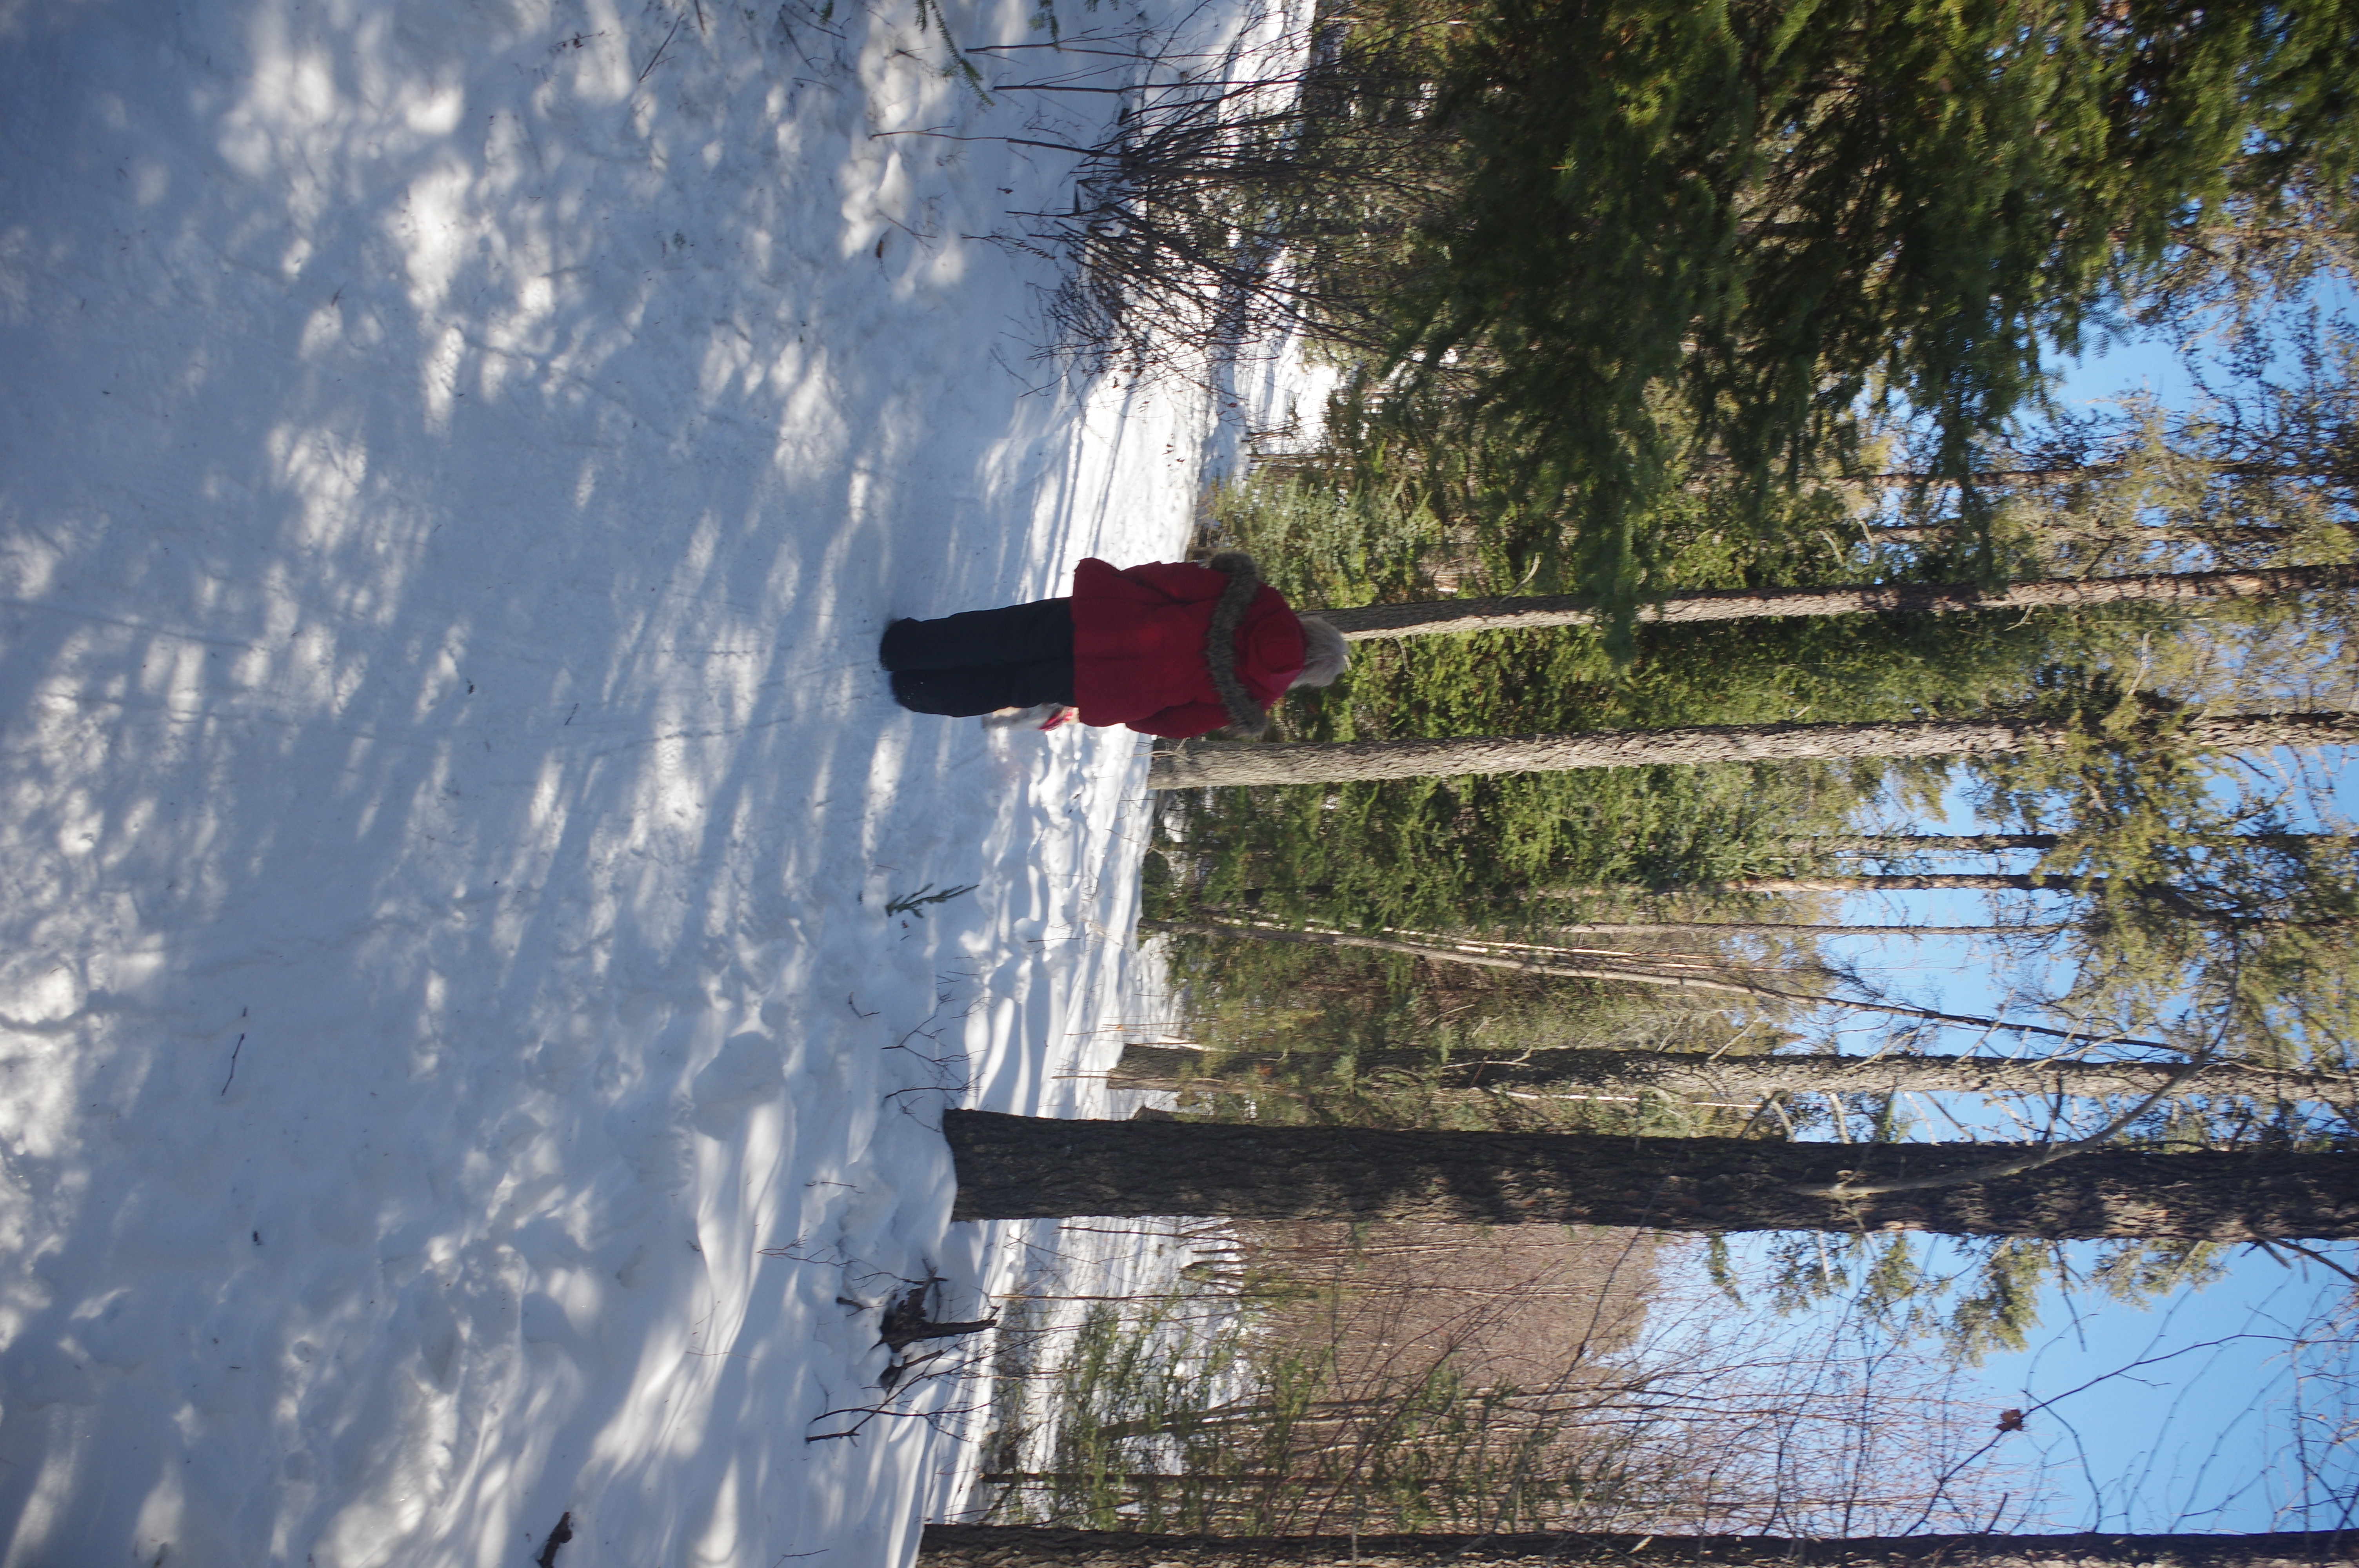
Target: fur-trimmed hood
(1246, 715)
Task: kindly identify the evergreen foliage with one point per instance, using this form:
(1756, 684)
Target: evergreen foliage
(1436, 853)
(1748, 295)
(1718, 228)
(2260, 469)
(1976, 1298)
(1361, 1039)
(2202, 917)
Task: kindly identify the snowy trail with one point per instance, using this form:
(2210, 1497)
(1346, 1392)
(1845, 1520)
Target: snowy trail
(456, 464)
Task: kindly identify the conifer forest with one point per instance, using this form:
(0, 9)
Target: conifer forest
(1751, 607)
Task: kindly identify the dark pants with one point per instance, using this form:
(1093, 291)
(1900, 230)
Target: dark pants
(984, 660)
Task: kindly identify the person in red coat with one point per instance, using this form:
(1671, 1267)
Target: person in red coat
(1167, 648)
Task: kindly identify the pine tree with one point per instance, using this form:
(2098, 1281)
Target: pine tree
(1667, 971)
(1899, 846)
(1013, 1167)
(1217, 764)
(1688, 228)
(1018, 1546)
(1420, 619)
(1725, 1078)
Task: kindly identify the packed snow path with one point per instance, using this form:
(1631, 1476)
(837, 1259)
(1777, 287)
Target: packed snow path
(455, 461)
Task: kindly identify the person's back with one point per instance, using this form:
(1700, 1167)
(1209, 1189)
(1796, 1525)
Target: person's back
(1146, 643)
(1168, 648)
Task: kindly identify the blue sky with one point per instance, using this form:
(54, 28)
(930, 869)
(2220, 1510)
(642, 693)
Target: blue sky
(2172, 1416)
(2175, 1417)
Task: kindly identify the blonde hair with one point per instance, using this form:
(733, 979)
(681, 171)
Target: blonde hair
(1326, 654)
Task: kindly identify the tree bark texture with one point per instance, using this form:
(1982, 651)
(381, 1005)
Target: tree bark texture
(1014, 1167)
(1745, 604)
(1663, 971)
(1696, 1074)
(1214, 763)
(1992, 843)
(1918, 881)
(1919, 843)
(2161, 533)
(1633, 967)
(1699, 928)
(1709, 928)
(2071, 473)
(1022, 1546)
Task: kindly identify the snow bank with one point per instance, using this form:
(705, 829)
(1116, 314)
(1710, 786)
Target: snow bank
(456, 1065)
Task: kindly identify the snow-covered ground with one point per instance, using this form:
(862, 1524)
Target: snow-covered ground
(455, 460)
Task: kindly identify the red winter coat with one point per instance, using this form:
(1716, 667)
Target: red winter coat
(1139, 646)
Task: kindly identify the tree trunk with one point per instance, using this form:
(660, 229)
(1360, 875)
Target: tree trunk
(2161, 533)
(1919, 843)
(1251, 899)
(1695, 1075)
(1788, 928)
(2165, 895)
(1038, 1546)
(1214, 763)
(1630, 968)
(1993, 843)
(1904, 882)
(1745, 604)
(1642, 968)
(1895, 478)
(1014, 1167)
